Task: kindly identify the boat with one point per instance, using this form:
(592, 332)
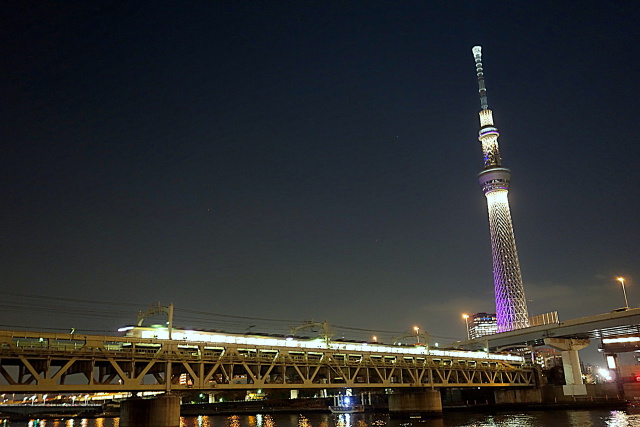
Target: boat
(344, 405)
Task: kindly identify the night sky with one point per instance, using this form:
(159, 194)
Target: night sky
(289, 161)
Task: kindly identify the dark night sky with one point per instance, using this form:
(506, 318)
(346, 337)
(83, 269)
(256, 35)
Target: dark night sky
(299, 160)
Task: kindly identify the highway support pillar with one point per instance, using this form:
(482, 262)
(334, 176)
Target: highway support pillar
(570, 363)
(161, 411)
(423, 403)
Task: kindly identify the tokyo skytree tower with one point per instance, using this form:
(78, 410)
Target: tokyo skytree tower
(511, 305)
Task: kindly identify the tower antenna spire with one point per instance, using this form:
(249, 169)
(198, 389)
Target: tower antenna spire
(477, 55)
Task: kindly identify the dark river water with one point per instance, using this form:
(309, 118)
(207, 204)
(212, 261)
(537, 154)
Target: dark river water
(569, 418)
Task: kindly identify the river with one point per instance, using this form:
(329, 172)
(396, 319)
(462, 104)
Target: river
(551, 418)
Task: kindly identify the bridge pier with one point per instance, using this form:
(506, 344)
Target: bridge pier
(161, 411)
(425, 403)
(518, 397)
(570, 363)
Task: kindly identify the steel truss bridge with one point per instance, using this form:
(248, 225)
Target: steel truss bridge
(34, 362)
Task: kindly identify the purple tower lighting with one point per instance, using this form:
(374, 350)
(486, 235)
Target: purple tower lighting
(511, 305)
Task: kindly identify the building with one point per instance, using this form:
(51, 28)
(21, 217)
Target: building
(511, 305)
(481, 324)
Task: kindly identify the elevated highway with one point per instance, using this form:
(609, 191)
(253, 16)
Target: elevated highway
(607, 325)
(618, 331)
(38, 362)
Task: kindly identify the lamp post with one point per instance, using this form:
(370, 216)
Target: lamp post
(465, 316)
(417, 329)
(624, 292)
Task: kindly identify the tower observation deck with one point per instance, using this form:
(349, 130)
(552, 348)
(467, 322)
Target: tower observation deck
(511, 305)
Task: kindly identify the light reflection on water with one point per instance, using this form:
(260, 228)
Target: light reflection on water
(459, 419)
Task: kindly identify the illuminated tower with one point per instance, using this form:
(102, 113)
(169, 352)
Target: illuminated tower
(511, 306)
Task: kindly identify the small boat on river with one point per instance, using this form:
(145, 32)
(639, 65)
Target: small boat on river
(345, 405)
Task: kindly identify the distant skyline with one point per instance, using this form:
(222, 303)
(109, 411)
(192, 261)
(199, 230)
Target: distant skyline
(312, 160)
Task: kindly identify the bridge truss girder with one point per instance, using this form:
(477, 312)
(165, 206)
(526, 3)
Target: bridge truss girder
(36, 362)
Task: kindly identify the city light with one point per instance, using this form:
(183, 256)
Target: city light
(611, 362)
(604, 374)
(465, 316)
(624, 292)
(486, 118)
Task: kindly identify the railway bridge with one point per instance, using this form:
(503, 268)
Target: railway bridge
(168, 360)
(39, 362)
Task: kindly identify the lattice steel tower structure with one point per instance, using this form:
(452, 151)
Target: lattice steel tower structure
(511, 305)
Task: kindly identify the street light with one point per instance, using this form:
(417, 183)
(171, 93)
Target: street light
(621, 280)
(417, 329)
(465, 316)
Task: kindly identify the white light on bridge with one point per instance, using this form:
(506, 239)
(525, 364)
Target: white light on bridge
(611, 362)
(319, 344)
(620, 340)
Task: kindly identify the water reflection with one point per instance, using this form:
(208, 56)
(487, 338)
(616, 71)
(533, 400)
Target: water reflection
(70, 422)
(268, 421)
(344, 420)
(234, 421)
(581, 418)
(460, 419)
(199, 421)
(622, 419)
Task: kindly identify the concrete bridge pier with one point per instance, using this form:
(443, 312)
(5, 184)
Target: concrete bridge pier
(518, 396)
(570, 363)
(161, 411)
(424, 403)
